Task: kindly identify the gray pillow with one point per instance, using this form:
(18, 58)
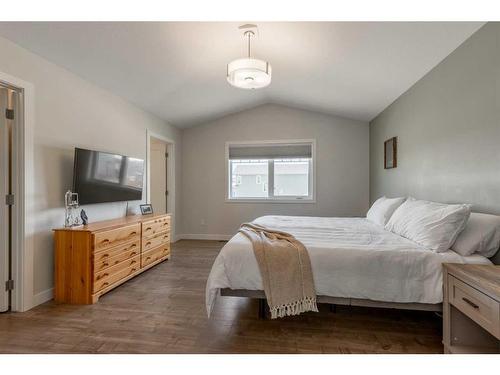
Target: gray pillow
(481, 235)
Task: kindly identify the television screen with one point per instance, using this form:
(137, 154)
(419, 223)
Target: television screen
(100, 177)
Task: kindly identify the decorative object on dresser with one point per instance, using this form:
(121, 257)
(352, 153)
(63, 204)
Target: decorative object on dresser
(71, 204)
(471, 308)
(391, 153)
(93, 259)
(84, 217)
(146, 209)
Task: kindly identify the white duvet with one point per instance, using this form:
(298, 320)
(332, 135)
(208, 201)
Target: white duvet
(350, 257)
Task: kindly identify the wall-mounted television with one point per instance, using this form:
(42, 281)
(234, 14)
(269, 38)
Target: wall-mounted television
(100, 177)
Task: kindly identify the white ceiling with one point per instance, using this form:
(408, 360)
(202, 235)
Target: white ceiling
(176, 70)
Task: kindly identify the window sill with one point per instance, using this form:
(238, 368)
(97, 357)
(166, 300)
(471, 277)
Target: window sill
(260, 200)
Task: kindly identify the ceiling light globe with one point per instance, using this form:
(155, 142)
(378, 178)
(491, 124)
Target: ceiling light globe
(249, 73)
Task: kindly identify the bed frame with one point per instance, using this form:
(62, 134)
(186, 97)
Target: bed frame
(259, 294)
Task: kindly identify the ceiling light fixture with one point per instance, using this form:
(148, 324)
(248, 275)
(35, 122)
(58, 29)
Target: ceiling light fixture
(249, 73)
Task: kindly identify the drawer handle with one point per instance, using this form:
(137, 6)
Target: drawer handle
(468, 301)
(132, 234)
(106, 240)
(104, 256)
(148, 243)
(148, 228)
(133, 245)
(133, 262)
(132, 271)
(103, 275)
(133, 253)
(148, 258)
(105, 264)
(105, 284)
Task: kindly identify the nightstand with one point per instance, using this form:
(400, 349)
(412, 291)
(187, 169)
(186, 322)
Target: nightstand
(471, 308)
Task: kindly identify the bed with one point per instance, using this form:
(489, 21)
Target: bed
(354, 262)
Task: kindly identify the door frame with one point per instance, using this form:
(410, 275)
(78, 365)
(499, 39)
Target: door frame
(22, 297)
(170, 173)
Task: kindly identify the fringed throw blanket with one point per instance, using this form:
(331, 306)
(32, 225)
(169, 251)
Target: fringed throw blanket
(285, 269)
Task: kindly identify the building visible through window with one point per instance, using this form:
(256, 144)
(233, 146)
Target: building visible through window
(283, 176)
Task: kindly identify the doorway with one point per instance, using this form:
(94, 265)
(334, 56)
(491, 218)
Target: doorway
(160, 162)
(10, 103)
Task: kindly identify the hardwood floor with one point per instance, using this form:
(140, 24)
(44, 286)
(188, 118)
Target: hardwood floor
(163, 311)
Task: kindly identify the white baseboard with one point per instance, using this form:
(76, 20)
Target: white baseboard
(214, 237)
(42, 297)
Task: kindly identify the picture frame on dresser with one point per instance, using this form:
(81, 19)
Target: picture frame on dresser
(146, 209)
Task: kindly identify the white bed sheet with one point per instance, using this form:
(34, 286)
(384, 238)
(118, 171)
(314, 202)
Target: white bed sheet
(350, 257)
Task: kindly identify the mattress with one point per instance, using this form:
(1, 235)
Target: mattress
(350, 257)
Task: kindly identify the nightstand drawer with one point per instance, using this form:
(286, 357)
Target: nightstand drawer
(476, 305)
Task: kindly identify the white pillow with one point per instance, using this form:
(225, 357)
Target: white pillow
(481, 235)
(382, 209)
(432, 225)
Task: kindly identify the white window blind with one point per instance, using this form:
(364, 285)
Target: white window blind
(271, 151)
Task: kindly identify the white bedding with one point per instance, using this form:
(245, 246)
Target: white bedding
(350, 257)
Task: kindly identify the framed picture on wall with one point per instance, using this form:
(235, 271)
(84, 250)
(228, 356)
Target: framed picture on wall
(391, 153)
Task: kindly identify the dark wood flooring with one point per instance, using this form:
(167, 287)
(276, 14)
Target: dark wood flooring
(163, 311)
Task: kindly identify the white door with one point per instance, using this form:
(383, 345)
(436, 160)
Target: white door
(4, 190)
(158, 176)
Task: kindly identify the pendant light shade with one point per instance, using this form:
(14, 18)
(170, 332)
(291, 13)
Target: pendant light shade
(249, 73)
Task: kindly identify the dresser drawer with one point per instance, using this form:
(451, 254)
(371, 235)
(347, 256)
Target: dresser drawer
(115, 277)
(153, 227)
(153, 242)
(155, 254)
(110, 257)
(481, 308)
(106, 273)
(107, 239)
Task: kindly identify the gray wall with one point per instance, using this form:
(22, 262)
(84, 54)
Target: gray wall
(70, 112)
(448, 129)
(342, 153)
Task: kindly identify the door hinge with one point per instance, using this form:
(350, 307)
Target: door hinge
(166, 192)
(9, 285)
(166, 154)
(9, 114)
(9, 199)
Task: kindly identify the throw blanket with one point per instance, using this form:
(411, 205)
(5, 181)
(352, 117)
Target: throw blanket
(285, 269)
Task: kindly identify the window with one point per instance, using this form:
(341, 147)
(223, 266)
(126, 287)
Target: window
(244, 172)
(270, 171)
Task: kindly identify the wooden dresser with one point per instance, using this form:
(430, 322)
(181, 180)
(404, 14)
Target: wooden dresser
(471, 308)
(93, 259)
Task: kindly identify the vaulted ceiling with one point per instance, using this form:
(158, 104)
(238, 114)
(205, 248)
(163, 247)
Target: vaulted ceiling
(176, 70)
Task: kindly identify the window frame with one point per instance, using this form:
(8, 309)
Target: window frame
(272, 198)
